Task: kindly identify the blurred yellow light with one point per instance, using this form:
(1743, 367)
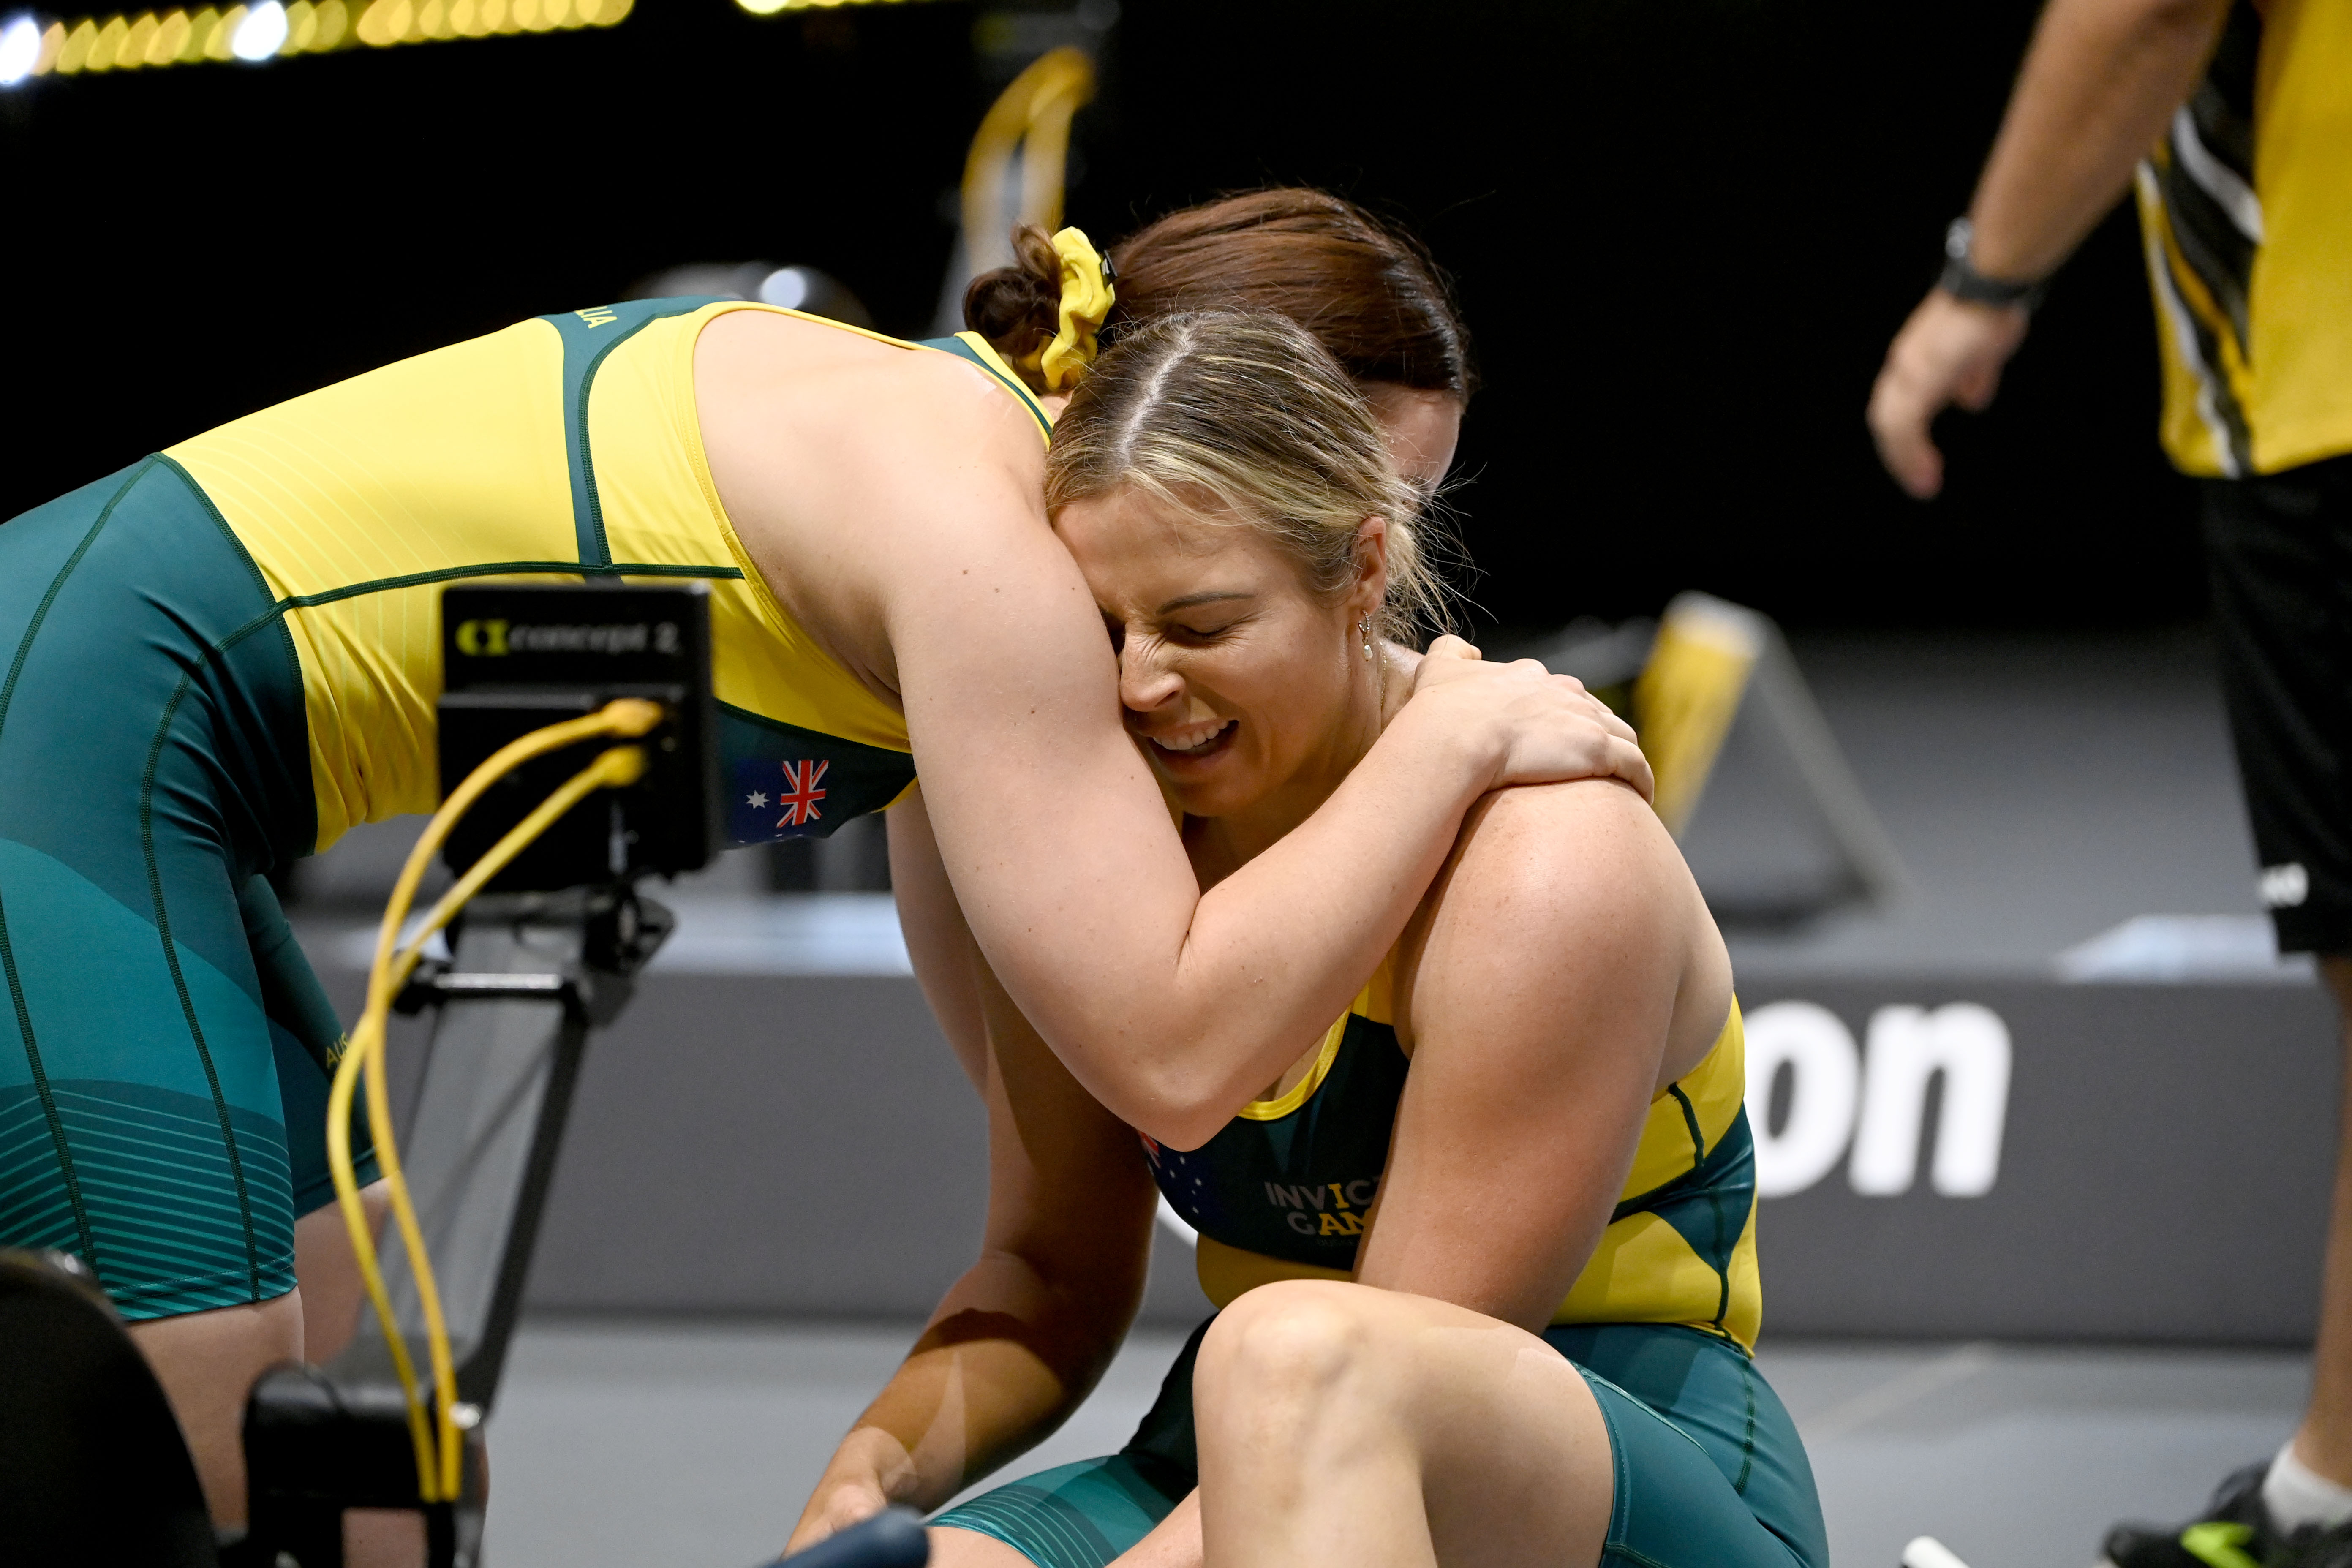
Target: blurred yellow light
(131, 41)
(200, 34)
(109, 40)
(763, 7)
(131, 53)
(171, 32)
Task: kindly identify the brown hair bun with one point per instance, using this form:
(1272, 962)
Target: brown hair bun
(1369, 293)
(1018, 309)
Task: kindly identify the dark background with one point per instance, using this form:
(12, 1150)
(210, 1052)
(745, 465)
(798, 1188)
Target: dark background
(1683, 234)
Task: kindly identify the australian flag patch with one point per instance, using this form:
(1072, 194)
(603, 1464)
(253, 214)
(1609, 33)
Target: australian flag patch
(785, 781)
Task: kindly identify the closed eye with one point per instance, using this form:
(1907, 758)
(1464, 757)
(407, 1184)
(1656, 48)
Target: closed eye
(1180, 631)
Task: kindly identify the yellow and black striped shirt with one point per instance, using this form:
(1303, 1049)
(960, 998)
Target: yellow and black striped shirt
(2246, 209)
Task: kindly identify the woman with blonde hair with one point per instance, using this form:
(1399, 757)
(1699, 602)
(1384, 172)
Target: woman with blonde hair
(1373, 301)
(1485, 1243)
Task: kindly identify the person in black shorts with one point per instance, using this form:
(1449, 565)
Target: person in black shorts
(2247, 219)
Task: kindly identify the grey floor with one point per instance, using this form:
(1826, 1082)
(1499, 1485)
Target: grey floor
(695, 1445)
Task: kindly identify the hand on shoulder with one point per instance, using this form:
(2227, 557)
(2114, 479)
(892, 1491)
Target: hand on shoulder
(1539, 726)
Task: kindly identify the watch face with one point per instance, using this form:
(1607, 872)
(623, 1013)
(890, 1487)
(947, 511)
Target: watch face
(1957, 238)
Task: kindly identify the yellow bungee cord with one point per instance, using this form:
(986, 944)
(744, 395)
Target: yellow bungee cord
(440, 1450)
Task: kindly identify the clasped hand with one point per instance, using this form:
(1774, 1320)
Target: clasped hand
(1545, 727)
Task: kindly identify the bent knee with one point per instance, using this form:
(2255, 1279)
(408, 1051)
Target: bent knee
(1297, 1340)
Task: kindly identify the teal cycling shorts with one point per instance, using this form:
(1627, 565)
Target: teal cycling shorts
(163, 1044)
(1709, 1471)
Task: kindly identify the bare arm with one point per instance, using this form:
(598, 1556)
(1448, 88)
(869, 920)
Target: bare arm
(1022, 1337)
(947, 961)
(2098, 84)
(1541, 995)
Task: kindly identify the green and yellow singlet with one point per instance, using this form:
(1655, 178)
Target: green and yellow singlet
(565, 445)
(223, 656)
(1281, 1192)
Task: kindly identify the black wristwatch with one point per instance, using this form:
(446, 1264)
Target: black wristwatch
(1962, 280)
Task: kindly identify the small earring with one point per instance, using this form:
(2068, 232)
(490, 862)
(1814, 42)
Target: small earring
(1365, 627)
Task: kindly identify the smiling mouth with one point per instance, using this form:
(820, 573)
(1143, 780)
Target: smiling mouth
(1213, 741)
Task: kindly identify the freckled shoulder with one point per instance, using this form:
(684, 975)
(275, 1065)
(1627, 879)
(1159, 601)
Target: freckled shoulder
(1543, 868)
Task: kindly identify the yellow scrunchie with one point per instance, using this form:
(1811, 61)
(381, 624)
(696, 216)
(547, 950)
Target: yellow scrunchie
(1087, 299)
